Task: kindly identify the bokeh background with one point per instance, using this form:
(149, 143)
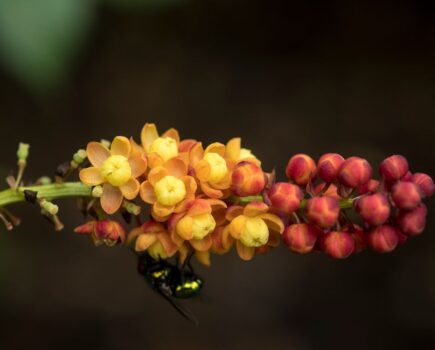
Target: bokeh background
(308, 76)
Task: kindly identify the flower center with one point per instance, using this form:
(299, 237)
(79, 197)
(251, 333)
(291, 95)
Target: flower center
(218, 167)
(202, 225)
(255, 233)
(170, 190)
(116, 170)
(165, 147)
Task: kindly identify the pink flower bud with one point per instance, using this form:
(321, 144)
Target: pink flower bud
(331, 191)
(301, 238)
(248, 179)
(412, 222)
(394, 168)
(285, 197)
(300, 169)
(328, 166)
(338, 245)
(323, 211)
(402, 237)
(355, 172)
(373, 208)
(370, 187)
(383, 239)
(406, 195)
(360, 239)
(407, 177)
(424, 182)
(110, 230)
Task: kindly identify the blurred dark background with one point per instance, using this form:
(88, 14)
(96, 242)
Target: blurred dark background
(309, 76)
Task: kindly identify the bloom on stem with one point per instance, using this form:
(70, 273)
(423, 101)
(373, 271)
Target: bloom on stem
(323, 211)
(234, 153)
(383, 239)
(253, 227)
(424, 182)
(338, 244)
(106, 232)
(300, 169)
(285, 197)
(406, 195)
(374, 208)
(301, 238)
(116, 169)
(412, 222)
(394, 168)
(328, 166)
(354, 172)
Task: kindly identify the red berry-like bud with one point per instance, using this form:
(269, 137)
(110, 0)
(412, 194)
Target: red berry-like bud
(338, 245)
(355, 172)
(370, 187)
(373, 208)
(248, 179)
(407, 177)
(331, 190)
(406, 195)
(360, 239)
(323, 211)
(301, 238)
(328, 166)
(424, 182)
(412, 222)
(383, 239)
(394, 168)
(285, 197)
(300, 169)
(402, 237)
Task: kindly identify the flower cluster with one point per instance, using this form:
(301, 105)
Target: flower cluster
(208, 199)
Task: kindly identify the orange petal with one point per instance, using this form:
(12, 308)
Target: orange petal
(148, 135)
(156, 174)
(144, 241)
(198, 207)
(221, 240)
(111, 199)
(232, 150)
(135, 148)
(191, 186)
(210, 191)
(203, 258)
(237, 225)
(97, 153)
(176, 167)
(173, 134)
(201, 245)
(216, 147)
(137, 163)
(147, 193)
(202, 170)
(132, 235)
(245, 253)
(186, 145)
(234, 211)
(184, 228)
(219, 216)
(154, 160)
(130, 189)
(162, 210)
(196, 154)
(273, 222)
(227, 239)
(168, 245)
(183, 251)
(183, 206)
(120, 147)
(255, 208)
(216, 204)
(91, 176)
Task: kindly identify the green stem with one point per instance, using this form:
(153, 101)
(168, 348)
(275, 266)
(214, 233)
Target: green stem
(346, 203)
(48, 192)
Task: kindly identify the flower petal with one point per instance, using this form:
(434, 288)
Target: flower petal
(132, 235)
(91, 176)
(198, 207)
(216, 147)
(233, 211)
(202, 170)
(148, 135)
(221, 240)
(191, 186)
(245, 253)
(111, 199)
(201, 245)
(216, 204)
(137, 163)
(120, 147)
(186, 145)
(196, 154)
(176, 167)
(273, 222)
(162, 210)
(168, 245)
(144, 241)
(173, 134)
(130, 189)
(237, 225)
(156, 174)
(232, 150)
(147, 193)
(255, 208)
(274, 239)
(154, 160)
(184, 228)
(203, 258)
(97, 153)
(210, 191)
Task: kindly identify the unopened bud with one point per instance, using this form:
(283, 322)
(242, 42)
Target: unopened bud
(412, 222)
(328, 166)
(394, 168)
(285, 197)
(383, 239)
(374, 208)
(323, 211)
(300, 169)
(338, 245)
(355, 172)
(406, 195)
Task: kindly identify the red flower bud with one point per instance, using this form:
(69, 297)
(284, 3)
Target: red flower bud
(285, 197)
(402, 237)
(412, 222)
(355, 172)
(301, 238)
(383, 239)
(360, 239)
(323, 211)
(406, 195)
(338, 245)
(394, 168)
(248, 179)
(331, 191)
(407, 177)
(370, 187)
(424, 182)
(328, 166)
(107, 232)
(374, 208)
(300, 169)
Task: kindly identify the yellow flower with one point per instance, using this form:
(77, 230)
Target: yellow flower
(159, 149)
(166, 187)
(253, 228)
(234, 153)
(116, 169)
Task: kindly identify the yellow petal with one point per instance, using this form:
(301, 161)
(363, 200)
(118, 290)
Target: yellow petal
(173, 134)
(138, 164)
(255, 208)
(144, 241)
(184, 228)
(237, 225)
(232, 150)
(111, 199)
(148, 135)
(203, 258)
(91, 176)
(216, 147)
(130, 189)
(245, 253)
(176, 167)
(120, 147)
(97, 153)
(273, 222)
(201, 245)
(147, 193)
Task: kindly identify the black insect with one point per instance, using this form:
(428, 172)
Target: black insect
(171, 281)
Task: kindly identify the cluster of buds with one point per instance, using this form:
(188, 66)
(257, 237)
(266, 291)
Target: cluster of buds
(209, 199)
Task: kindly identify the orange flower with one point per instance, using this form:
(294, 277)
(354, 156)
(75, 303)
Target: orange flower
(152, 237)
(116, 169)
(167, 187)
(253, 227)
(234, 153)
